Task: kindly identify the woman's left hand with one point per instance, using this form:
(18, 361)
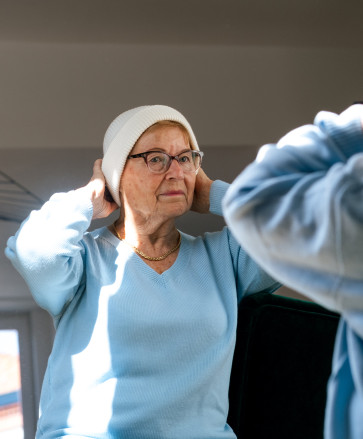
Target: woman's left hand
(201, 192)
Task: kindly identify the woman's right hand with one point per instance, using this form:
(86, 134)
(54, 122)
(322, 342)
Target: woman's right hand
(103, 205)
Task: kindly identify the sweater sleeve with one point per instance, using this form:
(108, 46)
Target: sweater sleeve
(47, 249)
(217, 192)
(298, 210)
(250, 276)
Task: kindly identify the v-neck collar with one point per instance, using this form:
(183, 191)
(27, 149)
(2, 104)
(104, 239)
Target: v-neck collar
(174, 271)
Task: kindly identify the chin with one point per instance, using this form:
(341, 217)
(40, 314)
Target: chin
(177, 211)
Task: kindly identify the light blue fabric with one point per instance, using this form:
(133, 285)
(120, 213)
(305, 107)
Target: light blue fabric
(298, 211)
(137, 355)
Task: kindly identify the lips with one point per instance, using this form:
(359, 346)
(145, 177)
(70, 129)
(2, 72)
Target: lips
(172, 193)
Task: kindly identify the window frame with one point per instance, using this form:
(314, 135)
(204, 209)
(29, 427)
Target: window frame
(35, 335)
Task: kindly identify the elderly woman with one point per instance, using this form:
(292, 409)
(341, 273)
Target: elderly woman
(145, 314)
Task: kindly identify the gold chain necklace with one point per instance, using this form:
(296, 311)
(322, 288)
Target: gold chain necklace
(139, 252)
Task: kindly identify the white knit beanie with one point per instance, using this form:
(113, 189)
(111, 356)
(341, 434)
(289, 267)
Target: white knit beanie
(124, 132)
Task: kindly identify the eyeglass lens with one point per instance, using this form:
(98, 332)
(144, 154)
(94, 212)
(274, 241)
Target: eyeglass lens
(189, 161)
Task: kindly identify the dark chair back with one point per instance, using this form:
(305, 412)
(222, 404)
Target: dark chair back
(281, 366)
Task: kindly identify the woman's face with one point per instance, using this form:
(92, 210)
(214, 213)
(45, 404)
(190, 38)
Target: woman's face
(146, 195)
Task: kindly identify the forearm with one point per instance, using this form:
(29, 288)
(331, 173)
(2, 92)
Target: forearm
(47, 248)
(297, 209)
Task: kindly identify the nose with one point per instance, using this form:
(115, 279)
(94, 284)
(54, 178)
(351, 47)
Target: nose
(175, 170)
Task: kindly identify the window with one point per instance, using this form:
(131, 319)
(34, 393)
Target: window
(11, 411)
(25, 342)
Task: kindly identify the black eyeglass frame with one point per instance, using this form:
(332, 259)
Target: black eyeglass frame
(171, 157)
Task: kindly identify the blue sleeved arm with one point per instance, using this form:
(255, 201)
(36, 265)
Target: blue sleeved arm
(298, 210)
(250, 277)
(47, 249)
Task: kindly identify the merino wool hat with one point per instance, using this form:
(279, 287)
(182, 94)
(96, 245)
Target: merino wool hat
(124, 132)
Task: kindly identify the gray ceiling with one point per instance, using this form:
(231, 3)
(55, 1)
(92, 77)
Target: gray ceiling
(296, 23)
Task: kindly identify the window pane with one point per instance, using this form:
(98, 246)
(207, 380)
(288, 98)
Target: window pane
(11, 416)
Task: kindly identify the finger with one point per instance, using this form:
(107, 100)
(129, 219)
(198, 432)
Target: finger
(97, 169)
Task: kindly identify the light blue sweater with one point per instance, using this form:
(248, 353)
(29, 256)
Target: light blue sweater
(137, 355)
(298, 210)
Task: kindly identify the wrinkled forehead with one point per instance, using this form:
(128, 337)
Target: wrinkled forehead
(164, 125)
